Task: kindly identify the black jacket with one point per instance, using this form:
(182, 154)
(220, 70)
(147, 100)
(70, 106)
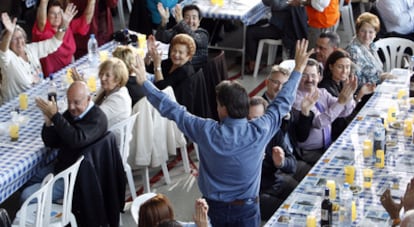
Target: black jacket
(99, 194)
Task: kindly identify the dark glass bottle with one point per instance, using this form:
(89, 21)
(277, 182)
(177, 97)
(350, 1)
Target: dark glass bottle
(326, 210)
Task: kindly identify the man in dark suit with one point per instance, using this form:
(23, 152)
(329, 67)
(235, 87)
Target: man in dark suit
(79, 126)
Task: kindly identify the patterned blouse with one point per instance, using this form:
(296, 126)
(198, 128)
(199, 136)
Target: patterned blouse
(369, 64)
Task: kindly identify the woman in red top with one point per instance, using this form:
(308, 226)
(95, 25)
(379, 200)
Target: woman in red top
(49, 21)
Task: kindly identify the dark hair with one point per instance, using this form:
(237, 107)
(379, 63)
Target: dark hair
(333, 57)
(258, 100)
(192, 7)
(333, 37)
(59, 3)
(155, 211)
(313, 62)
(233, 96)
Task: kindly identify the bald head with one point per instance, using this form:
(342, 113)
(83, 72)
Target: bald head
(78, 98)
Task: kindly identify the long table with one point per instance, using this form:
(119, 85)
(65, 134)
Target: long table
(20, 160)
(347, 150)
(247, 12)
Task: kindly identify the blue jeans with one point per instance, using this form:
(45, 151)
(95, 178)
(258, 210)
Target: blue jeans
(224, 214)
(36, 181)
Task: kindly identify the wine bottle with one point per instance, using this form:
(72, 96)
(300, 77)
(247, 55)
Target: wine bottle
(326, 210)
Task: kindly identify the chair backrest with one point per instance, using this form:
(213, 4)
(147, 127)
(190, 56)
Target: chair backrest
(136, 204)
(215, 71)
(69, 177)
(123, 133)
(43, 198)
(288, 64)
(393, 50)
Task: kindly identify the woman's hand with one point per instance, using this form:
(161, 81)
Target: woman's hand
(348, 90)
(69, 14)
(201, 209)
(9, 24)
(139, 70)
(164, 13)
(387, 76)
(76, 76)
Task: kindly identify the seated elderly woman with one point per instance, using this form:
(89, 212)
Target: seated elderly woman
(188, 22)
(177, 68)
(155, 209)
(113, 97)
(19, 62)
(338, 71)
(363, 51)
(128, 55)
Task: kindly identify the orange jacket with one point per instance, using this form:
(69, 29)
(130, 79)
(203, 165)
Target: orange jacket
(325, 19)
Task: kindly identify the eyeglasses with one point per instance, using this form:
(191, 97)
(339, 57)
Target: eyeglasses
(313, 76)
(276, 82)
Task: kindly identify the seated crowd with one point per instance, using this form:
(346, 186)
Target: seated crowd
(297, 118)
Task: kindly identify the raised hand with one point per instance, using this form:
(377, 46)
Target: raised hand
(278, 156)
(164, 13)
(302, 55)
(408, 199)
(9, 24)
(69, 14)
(348, 90)
(49, 108)
(390, 206)
(76, 76)
(308, 102)
(178, 13)
(139, 70)
(201, 209)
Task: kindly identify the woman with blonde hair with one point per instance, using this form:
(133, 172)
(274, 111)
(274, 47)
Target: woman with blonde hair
(113, 97)
(364, 53)
(129, 56)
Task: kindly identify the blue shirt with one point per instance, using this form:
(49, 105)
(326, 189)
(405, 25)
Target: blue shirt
(231, 151)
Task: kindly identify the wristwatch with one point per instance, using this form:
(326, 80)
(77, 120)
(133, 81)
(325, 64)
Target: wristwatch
(158, 68)
(62, 29)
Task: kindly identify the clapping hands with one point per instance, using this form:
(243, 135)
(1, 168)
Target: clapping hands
(309, 101)
(348, 90)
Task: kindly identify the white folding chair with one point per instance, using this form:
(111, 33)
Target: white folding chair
(64, 215)
(393, 49)
(123, 133)
(33, 214)
(136, 204)
(271, 55)
(288, 64)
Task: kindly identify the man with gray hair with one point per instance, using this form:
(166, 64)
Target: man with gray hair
(326, 43)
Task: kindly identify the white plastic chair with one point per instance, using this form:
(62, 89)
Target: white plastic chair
(271, 55)
(123, 132)
(155, 138)
(136, 204)
(347, 17)
(393, 49)
(64, 215)
(288, 64)
(28, 213)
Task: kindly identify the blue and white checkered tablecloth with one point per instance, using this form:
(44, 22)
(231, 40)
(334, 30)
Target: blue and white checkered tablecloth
(347, 150)
(19, 160)
(248, 12)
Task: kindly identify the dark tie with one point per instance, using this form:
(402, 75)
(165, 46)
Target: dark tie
(326, 130)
